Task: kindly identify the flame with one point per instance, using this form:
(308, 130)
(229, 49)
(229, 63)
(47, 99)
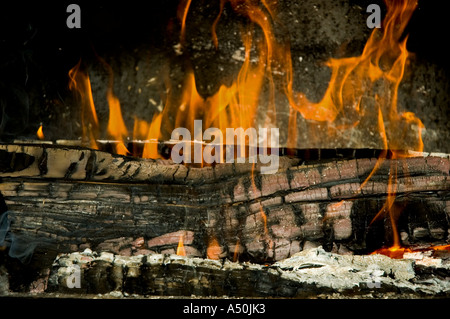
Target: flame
(149, 132)
(236, 251)
(40, 133)
(231, 106)
(81, 84)
(180, 249)
(393, 126)
(376, 73)
(151, 147)
(140, 130)
(183, 9)
(116, 126)
(259, 12)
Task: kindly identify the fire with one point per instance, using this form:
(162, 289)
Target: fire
(236, 106)
(398, 252)
(362, 90)
(151, 148)
(231, 107)
(236, 251)
(81, 84)
(116, 126)
(180, 249)
(377, 74)
(40, 133)
(149, 132)
(361, 97)
(183, 10)
(395, 251)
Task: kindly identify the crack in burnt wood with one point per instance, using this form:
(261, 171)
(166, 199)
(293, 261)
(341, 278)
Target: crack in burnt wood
(43, 162)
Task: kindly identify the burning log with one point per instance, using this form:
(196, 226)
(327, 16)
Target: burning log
(65, 199)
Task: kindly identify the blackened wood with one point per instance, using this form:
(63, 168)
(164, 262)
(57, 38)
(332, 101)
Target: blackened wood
(61, 199)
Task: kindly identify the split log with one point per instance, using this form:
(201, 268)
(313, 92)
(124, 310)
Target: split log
(63, 199)
(307, 274)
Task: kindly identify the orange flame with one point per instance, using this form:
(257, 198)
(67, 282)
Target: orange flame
(376, 73)
(394, 251)
(116, 126)
(233, 106)
(180, 249)
(230, 107)
(183, 9)
(151, 147)
(81, 84)
(40, 133)
(441, 247)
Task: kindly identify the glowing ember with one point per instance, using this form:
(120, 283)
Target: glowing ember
(213, 251)
(395, 252)
(398, 252)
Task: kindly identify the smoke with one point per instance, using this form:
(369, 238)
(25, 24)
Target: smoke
(20, 246)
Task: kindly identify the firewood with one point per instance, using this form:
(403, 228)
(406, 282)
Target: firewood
(63, 199)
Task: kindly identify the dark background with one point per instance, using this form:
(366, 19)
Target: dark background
(37, 50)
